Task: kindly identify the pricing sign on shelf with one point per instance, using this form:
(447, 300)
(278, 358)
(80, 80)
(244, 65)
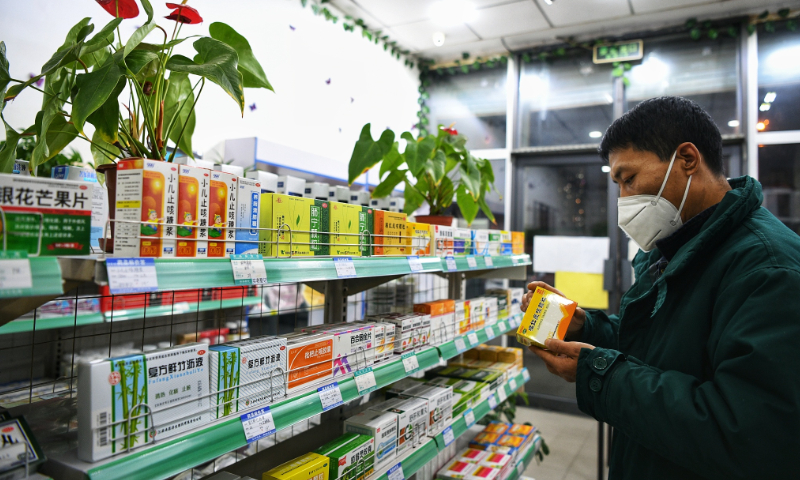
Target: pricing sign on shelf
(492, 401)
(410, 362)
(344, 267)
(473, 338)
(489, 262)
(451, 263)
(257, 424)
(365, 380)
(501, 392)
(460, 346)
(414, 263)
(131, 275)
(490, 332)
(502, 326)
(472, 262)
(469, 417)
(330, 396)
(248, 269)
(396, 472)
(512, 383)
(449, 436)
(525, 374)
(15, 271)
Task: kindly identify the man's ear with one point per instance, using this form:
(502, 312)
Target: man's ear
(690, 158)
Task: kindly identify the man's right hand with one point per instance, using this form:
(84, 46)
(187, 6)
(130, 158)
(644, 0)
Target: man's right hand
(575, 329)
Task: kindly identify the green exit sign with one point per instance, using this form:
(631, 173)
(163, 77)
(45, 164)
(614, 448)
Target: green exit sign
(619, 52)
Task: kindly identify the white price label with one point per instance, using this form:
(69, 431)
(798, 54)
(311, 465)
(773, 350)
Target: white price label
(131, 275)
(502, 326)
(492, 401)
(414, 263)
(490, 332)
(469, 417)
(330, 396)
(257, 424)
(248, 269)
(501, 392)
(473, 338)
(460, 345)
(525, 374)
(344, 267)
(472, 262)
(451, 264)
(489, 262)
(15, 273)
(449, 436)
(513, 383)
(410, 362)
(396, 472)
(365, 380)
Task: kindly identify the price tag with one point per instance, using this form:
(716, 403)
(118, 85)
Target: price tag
(365, 380)
(131, 275)
(489, 262)
(330, 396)
(501, 392)
(414, 264)
(492, 401)
(525, 374)
(410, 362)
(344, 267)
(469, 417)
(473, 338)
(516, 260)
(248, 269)
(513, 383)
(257, 424)
(460, 345)
(451, 263)
(396, 472)
(490, 332)
(449, 436)
(472, 262)
(502, 326)
(15, 271)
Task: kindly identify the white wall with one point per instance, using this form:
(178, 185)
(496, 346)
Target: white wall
(304, 112)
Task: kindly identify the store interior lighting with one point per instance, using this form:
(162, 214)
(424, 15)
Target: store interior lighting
(438, 39)
(452, 12)
(652, 70)
(733, 123)
(605, 169)
(761, 126)
(595, 134)
(764, 107)
(770, 97)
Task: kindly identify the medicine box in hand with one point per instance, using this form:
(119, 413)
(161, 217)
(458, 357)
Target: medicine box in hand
(548, 316)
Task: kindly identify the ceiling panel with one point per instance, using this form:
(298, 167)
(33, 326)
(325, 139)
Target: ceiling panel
(476, 49)
(419, 36)
(564, 13)
(644, 6)
(348, 7)
(509, 19)
(397, 12)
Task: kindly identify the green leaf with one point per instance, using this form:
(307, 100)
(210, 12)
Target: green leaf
(763, 15)
(368, 152)
(384, 189)
(691, 23)
(5, 76)
(59, 135)
(215, 61)
(93, 89)
(137, 37)
(485, 209)
(102, 150)
(410, 153)
(471, 176)
(297, 221)
(425, 147)
(165, 46)
(106, 118)
(467, 204)
(713, 34)
(435, 166)
(414, 199)
(751, 29)
(444, 196)
(252, 74)
(391, 161)
(626, 81)
(695, 33)
(148, 9)
(101, 39)
(783, 12)
(9, 151)
(138, 59)
(617, 72)
(177, 107)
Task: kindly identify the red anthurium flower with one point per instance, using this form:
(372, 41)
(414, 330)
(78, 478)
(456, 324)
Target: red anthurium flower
(126, 8)
(451, 131)
(184, 14)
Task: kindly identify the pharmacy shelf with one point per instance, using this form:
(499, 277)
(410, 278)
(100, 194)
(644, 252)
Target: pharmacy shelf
(46, 284)
(519, 469)
(496, 262)
(450, 349)
(29, 324)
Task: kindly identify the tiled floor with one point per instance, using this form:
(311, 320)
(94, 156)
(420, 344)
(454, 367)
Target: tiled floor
(572, 441)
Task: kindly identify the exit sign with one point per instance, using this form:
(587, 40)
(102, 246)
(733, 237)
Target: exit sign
(619, 52)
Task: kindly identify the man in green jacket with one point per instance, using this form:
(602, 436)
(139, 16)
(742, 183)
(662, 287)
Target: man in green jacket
(699, 374)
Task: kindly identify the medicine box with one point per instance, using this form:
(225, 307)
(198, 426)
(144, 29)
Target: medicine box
(173, 383)
(352, 456)
(379, 203)
(309, 360)
(268, 181)
(442, 240)
(391, 233)
(517, 243)
(193, 188)
(99, 195)
(222, 214)
(360, 198)
(248, 200)
(382, 427)
(295, 220)
(493, 248)
(351, 229)
(440, 405)
(462, 242)
(410, 432)
(289, 185)
(311, 466)
(456, 470)
(397, 204)
(234, 170)
(462, 312)
(480, 242)
(420, 238)
(506, 245)
(338, 193)
(548, 316)
(352, 349)
(318, 190)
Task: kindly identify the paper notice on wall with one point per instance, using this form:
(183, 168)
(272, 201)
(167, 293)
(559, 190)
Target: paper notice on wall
(569, 254)
(584, 288)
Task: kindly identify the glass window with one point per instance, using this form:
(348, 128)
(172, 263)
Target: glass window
(563, 101)
(475, 102)
(779, 174)
(778, 80)
(705, 71)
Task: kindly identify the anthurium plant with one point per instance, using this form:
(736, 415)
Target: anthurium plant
(137, 93)
(434, 169)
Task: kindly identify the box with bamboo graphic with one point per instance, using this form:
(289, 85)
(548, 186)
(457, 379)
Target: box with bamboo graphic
(126, 402)
(391, 234)
(300, 226)
(243, 374)
(352, 456)
(351, 229)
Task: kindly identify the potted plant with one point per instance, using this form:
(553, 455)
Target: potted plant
(434, 169)
(139, 95)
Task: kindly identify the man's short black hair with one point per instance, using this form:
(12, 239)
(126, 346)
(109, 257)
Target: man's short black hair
(660, 124)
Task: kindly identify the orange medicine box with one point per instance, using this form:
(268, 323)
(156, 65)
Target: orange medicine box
(193, 187)
(517, 243)
(548, 316)
(222, 214)
(309, 360)
(518, 429)
(496, 427)
(391, 233)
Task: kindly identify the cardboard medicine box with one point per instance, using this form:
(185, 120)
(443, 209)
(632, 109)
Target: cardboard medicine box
(493, 247)
(351, 229)
(462, 242)
(318, 190)
(382, 427)
(173, 383)
(311, 466)
(410, 431)
(99, 195)
(480, 242)
(289, 185)
(440, 405)
(352, 456)
(420, 238)
(391, 233)
(548, 316)
(506, 245)
(352, 349)
(222, 214)
(268, 181)
(194, 184)
(295, 217)
(442, 240)
(456, 470)
(248, 201)
(309, 360)
(517, 243)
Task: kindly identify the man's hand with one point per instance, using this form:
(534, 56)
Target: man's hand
(561, 358)
(575, 328)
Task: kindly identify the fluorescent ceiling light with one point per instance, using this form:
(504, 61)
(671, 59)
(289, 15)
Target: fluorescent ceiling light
(452, 12)
(549, 2)
(438, 39)
(764, 107)
(770, 97)
(733, 123)
(595, 134)
(605, 169)
(653, 70)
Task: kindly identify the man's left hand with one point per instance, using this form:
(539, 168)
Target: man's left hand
(561, 358)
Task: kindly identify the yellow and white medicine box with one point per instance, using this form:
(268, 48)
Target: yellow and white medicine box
(548, 316)
(311, 466)
(420, 238)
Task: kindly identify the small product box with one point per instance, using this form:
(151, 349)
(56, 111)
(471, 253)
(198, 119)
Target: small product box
(391, 233)
(548, 316)
(360, 198)
(420, 238)
(506, 244)
(477, 313)
(243, 371)
(234, 170)
(441, 323)
(352, 456)
(397, 204)
(21, 167)
(493, 248)
(442, 240)
(379, 203)
(194, 184)
(497, 427)
(423, 331)
(289, 185)
(462, 242)
(379, 331)
(515, 305)
(352, 349)
(456, 470)
(318, 190)
(292, 218)
(440, 405)
(382, 427)
(517, 243)
(147, 194)
(351, 229)
(484, 472)
(99, 194)
(410, 431)
(172, 382)
(222, 214)
(248, 200)
(338, 193)
(311, 466)
(309, 360)
(463, 321)
(473, 455)
(268, 181)
(485, 440)
(490, 305)
(480, 242)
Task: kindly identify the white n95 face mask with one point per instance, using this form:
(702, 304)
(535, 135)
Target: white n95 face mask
(649, 218)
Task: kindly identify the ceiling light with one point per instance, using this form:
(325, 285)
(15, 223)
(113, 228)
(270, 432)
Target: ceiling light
(653, 71)
(605, 169)
(452, 12)
(770, 97)
(609, 99)
(438, 39)
(549, 2)
(764, 107)
(760, 126)
(595, 134)
(733, 123)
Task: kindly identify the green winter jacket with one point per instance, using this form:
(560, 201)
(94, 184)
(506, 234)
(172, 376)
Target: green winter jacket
(699, 374)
